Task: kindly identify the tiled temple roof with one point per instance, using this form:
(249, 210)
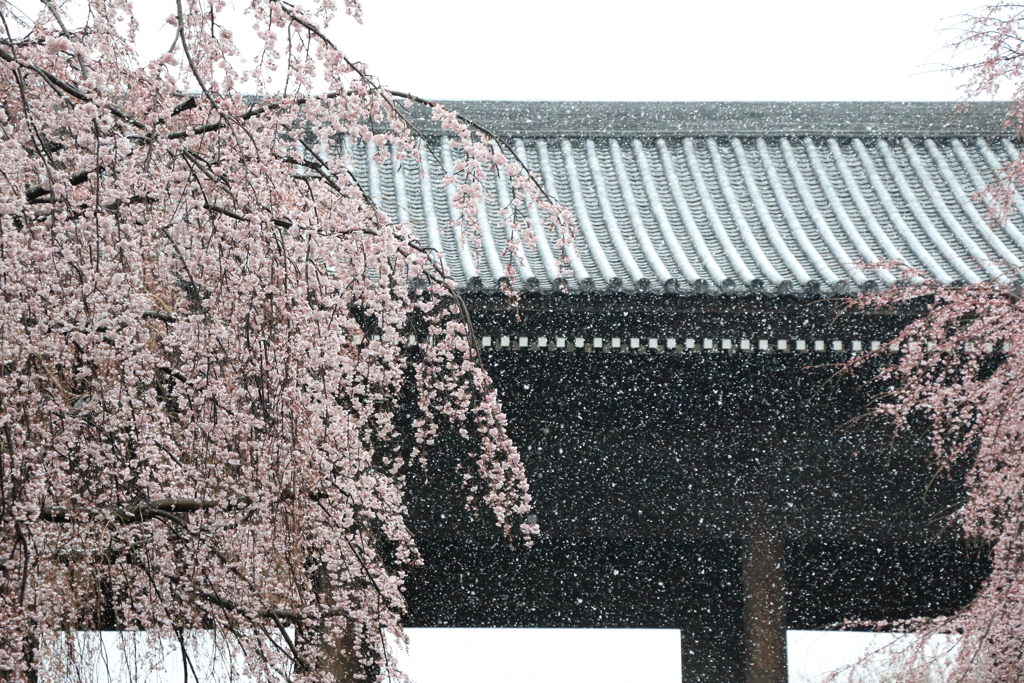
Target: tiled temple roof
(731, 197)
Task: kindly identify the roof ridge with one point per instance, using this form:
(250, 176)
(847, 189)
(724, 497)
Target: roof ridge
(743, 119)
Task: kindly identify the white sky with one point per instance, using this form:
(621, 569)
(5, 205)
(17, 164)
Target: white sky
(659, 49)
(645, 49)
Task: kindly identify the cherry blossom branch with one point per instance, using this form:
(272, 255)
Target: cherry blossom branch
(389, 96)
(180, 317)
(129, 515)
(283, 614)
(64, 86)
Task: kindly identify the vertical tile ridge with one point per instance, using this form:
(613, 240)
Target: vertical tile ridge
(373, 173)
(429, 211)
(491, 254)
(724, 239)
(878, 185)
(983, 259)
(980, 224)
(639, 228)
(547, 257)
(597, 252)
(625, 255)
(866, 213)
(664, 224)
(466, 256)
(528, 279)
(774, 236)
(822, 269)
(930, 228)
(980, 183)
(763, 264)
(836, 205)
(845, 261)
(636, 220)
(692, 229)
(401, 197)
(923, 220)
(583, 278)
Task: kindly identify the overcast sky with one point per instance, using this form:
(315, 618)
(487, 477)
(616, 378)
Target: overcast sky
(660, 49)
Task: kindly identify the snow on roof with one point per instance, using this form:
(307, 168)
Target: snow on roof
(729, 197)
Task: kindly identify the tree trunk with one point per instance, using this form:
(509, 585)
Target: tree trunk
(340, 661)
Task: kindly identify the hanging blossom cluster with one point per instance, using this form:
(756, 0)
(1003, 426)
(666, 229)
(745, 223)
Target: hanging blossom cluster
(989, 50)
(960, 370)
(206, 408)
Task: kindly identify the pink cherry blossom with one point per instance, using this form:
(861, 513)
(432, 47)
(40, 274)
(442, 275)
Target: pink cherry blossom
(960, 369)
(203, 319)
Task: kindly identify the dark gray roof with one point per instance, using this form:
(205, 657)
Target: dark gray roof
(611, 119)
(731, 197)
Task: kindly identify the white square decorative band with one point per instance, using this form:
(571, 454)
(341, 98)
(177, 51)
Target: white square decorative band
(678, 345)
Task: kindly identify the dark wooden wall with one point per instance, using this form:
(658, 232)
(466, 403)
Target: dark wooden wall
(644, 469)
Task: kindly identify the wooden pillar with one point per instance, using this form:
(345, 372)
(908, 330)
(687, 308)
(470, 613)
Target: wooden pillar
(764, 607)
